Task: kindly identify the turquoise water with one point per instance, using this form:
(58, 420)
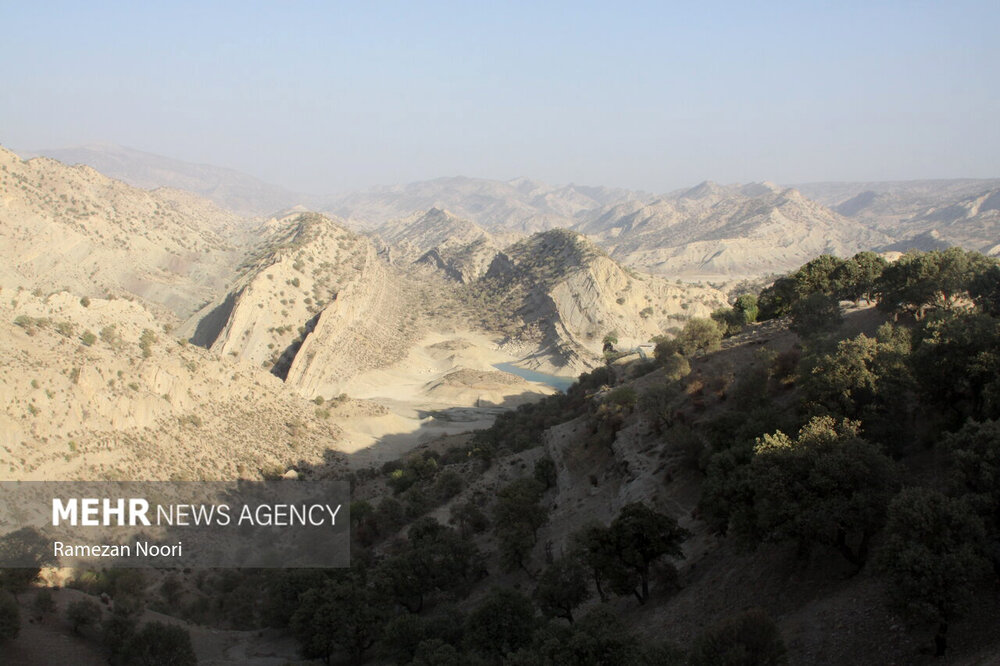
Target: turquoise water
(561, 383)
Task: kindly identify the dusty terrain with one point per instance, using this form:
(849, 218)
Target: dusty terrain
(713, 232)
(149, 335)
(72, 227)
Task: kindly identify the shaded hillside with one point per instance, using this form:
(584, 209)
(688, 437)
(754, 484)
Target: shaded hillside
(804, 493)
(765, 491)
(569, 294)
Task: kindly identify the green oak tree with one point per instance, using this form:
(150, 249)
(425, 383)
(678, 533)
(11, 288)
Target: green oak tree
(933, 555)
(827, 486)
(562, 587)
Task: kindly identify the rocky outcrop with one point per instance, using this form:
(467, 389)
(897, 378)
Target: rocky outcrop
(315, 305)
(713, 232)
(460, 249)
(304, 263)
(572, 295)
(359, 330)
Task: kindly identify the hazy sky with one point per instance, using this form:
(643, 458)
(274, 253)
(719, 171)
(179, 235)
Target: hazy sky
(325, 97)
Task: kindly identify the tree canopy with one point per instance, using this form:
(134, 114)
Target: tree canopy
(933, 553)
(624, 552)
(828, 485)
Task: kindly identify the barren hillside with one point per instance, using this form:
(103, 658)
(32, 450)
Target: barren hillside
(71, 227)
(921, 214)
(99, 390)
(717, 232)
(461, 249)
(520, 205)
(568, 295)
(227, 188)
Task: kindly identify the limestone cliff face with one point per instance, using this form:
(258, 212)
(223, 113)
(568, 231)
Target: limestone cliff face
(603, 298)
(461, 249)
(315, 306)
(571, 295)
(304, 263)
(358, 331)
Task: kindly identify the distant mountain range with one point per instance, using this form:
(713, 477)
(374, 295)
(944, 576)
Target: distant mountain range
(710, 231)
(926, 213)
(519, 205)
(228, 188)
(297, 309)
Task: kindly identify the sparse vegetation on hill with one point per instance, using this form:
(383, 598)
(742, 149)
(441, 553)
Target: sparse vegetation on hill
(806, 474)
(799, 449)
(73, 227)
(833, 487)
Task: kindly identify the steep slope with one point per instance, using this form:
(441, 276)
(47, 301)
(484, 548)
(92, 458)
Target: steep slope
(904, 198)
(461, 249)
(972, 222)
(364, 327)
(519, 205)
(956, 212)
(228, 188)
(568, 295)
(317, 306)
(304, 264)
(73, 227)
(713, 231)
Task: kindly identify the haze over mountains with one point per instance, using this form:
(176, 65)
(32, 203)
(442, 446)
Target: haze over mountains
(228, 188)
(427, 286)
(519, 205)
(154, 334)
(108, 282)
(926, 213)
(76, 228)
(712, 231)
(709, 231)
(656, 335)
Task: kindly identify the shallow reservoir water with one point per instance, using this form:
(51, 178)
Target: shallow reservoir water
(561, 383)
